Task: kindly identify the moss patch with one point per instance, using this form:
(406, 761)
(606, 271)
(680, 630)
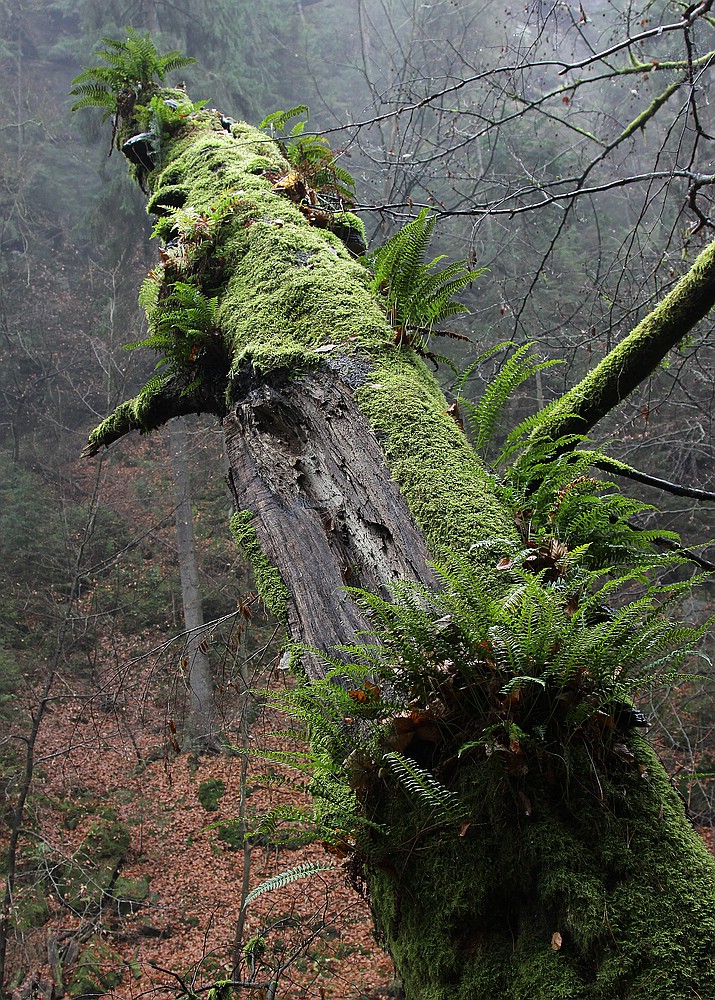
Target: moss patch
(449, 492)
(129, 894)
(622, 879)
(89, 876)
(269, 582)
(98, 970)
(210, 793)
(32, 909)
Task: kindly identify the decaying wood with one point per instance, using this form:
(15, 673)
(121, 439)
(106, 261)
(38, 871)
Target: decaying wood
(326, 521)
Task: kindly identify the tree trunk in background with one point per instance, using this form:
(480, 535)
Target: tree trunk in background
(201, 725)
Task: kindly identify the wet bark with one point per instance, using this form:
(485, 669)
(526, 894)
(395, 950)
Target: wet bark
(326, 511)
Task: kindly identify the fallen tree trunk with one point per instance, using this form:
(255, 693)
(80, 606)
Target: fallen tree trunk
(568, 875)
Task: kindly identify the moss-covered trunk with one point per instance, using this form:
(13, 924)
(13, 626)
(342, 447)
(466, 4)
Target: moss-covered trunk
(582, 880)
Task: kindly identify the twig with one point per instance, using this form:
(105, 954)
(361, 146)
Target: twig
(677, 489)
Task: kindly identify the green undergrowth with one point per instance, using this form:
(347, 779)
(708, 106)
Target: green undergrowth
(210, 793)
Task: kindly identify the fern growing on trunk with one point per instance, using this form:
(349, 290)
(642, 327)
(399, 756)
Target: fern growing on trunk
(413, 294)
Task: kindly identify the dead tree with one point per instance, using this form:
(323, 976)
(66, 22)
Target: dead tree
(577, 877)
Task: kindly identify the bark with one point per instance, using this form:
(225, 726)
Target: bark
(313, 476)
(202, 709)
(583, 881)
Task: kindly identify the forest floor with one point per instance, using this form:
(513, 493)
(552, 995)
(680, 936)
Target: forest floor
(101, 762)
(104, 759)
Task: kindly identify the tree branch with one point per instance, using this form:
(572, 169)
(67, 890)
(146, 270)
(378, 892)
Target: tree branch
(636, 357)
(660, 29)
(617, 468)
(151, 409)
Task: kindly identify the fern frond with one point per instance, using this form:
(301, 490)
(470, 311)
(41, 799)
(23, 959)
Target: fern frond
(484, 416)
(171, 61)
(304, 870)
(297, 761)
(279, 119)
(425, 787)
(414, 295)
(133, 64)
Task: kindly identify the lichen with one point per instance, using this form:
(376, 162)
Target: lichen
(271, 588)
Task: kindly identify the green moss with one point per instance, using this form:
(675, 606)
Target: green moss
(614, 868)
(269, 582)
(98, 970)
(297, 289)
(129, 894)
(289, 289)
(122, 420)
(449, 492)
(32, 908)
(292, 289)
(211, 792)
(90, 874)
(352, 221)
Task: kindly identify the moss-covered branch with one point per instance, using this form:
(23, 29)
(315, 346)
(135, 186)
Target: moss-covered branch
(636, 357)
(150, 409)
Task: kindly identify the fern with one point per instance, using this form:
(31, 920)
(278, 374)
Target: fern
(304, 870)
(312, 160)
(414, 296)
(131, 67)
(564, 512)
(282, 826)
(484, 416)
(160, 119)
(499, 668)
(182, 327)
(424, 787)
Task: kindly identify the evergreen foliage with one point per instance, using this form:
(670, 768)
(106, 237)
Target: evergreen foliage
(484, 416)
(183, 328)
(559, 505)
(312, 160)
(304, 870)
(160, 118)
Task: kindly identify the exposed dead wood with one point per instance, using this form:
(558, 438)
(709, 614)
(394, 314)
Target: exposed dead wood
(326, 510)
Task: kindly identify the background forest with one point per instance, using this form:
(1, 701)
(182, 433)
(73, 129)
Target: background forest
(132, 834)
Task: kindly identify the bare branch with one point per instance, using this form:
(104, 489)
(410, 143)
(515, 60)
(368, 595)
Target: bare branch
(617, 468)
